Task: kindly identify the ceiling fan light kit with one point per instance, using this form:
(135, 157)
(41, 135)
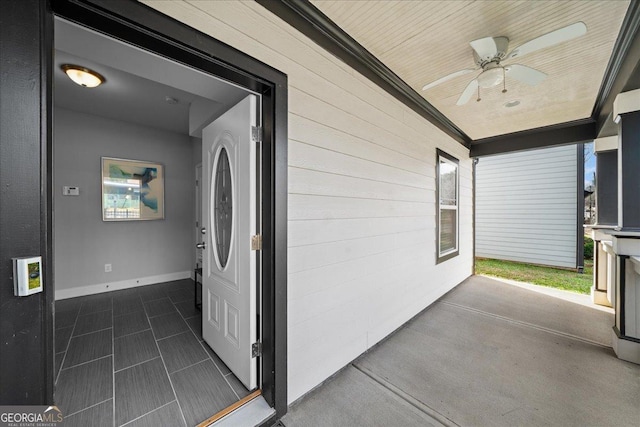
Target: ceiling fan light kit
(489, 52)
(491, 77)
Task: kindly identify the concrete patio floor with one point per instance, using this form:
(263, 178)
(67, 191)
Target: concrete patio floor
(486, 354)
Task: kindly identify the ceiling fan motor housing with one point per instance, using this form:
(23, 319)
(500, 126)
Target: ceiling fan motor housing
(502, 47)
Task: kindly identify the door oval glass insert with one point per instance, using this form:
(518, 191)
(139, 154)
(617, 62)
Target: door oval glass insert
(223, 208)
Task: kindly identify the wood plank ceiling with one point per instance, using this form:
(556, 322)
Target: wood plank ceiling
(422, 41)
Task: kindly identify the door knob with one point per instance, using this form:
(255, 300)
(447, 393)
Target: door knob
(202, 245)
(203, 230)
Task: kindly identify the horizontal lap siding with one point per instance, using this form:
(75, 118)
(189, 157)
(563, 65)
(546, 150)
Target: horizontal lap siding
(526, 206)
(361, 196)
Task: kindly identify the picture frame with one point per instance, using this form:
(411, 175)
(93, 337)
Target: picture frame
(132, 190)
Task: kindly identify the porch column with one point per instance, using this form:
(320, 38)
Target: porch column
(626, 238)
(606, 151)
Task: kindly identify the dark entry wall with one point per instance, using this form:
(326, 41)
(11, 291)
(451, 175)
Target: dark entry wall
(26, 34)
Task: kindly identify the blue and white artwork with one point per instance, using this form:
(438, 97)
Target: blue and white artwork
(132, 190)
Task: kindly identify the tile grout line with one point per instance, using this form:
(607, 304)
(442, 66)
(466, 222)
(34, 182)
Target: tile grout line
(168, 376)
(74, 327)
(88, 407)
(86, 363)
(132, 333)
(93, 332)
(202, 343)
(134, 365)
(68, 344)
(144, 415)
(226, 378)
(162, 314)
(174, 335)
(113, 364)
(229, 384)
(190, 366)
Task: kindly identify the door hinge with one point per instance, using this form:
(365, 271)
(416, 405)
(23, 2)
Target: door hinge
(256, 349)
(256, 133)
(256, 242)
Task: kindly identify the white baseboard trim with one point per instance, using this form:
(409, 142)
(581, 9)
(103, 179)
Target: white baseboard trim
(81, 291)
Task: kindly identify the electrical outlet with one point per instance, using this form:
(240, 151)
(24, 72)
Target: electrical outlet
(107, 268)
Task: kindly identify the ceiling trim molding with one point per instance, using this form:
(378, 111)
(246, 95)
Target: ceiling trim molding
(622, 65)
(310, 21)
(574, 132)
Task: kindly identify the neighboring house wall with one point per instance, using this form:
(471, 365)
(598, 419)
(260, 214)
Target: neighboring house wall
(526, 206)
(361, 196)
(139, 251)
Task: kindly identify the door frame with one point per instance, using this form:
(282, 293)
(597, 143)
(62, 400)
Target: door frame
(142, 26)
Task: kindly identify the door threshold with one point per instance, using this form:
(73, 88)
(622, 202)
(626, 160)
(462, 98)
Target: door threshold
(251, 410)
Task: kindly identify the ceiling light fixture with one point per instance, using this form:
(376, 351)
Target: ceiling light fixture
(512, 103)
(82, 76)
(491, 77)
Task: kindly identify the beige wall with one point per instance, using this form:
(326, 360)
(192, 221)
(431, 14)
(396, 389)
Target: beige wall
(361, 195)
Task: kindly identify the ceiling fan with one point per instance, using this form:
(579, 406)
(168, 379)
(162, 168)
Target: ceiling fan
(489, 52)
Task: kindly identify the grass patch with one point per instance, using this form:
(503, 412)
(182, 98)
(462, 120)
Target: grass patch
(567, 280)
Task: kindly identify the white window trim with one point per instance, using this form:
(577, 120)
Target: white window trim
(450, 253)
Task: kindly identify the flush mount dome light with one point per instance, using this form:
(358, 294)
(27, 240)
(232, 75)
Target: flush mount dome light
(82, 76)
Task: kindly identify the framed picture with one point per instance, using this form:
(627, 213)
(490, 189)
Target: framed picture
(132, 190)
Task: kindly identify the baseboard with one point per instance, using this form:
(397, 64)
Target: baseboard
(81, 291)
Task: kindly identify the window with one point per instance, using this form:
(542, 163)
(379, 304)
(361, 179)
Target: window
(447, 213)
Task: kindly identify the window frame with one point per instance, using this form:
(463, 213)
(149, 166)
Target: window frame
(448, 254)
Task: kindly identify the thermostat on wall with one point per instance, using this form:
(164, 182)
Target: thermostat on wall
(70, 191)
(27, 276)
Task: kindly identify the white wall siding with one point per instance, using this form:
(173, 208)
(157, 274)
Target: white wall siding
(361, 195)
(526, 206)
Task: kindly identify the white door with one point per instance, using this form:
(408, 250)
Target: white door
(229, 320)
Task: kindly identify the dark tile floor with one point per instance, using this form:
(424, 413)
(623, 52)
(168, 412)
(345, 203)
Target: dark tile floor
(136, 357)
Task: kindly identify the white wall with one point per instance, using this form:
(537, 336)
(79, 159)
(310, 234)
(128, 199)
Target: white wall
(140, 252)
(526, 206)
(361, 195)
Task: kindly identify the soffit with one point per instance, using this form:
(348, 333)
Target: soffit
(422, 41)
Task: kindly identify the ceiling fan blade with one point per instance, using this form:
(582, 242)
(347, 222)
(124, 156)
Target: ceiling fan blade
(486, 48)
(448, 77)
(550, 39)
(468, 92)
(525, 74)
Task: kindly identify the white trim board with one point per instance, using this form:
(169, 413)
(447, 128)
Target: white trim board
(123, 284)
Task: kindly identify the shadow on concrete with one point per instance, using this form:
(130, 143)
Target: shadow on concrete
(486, 354)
